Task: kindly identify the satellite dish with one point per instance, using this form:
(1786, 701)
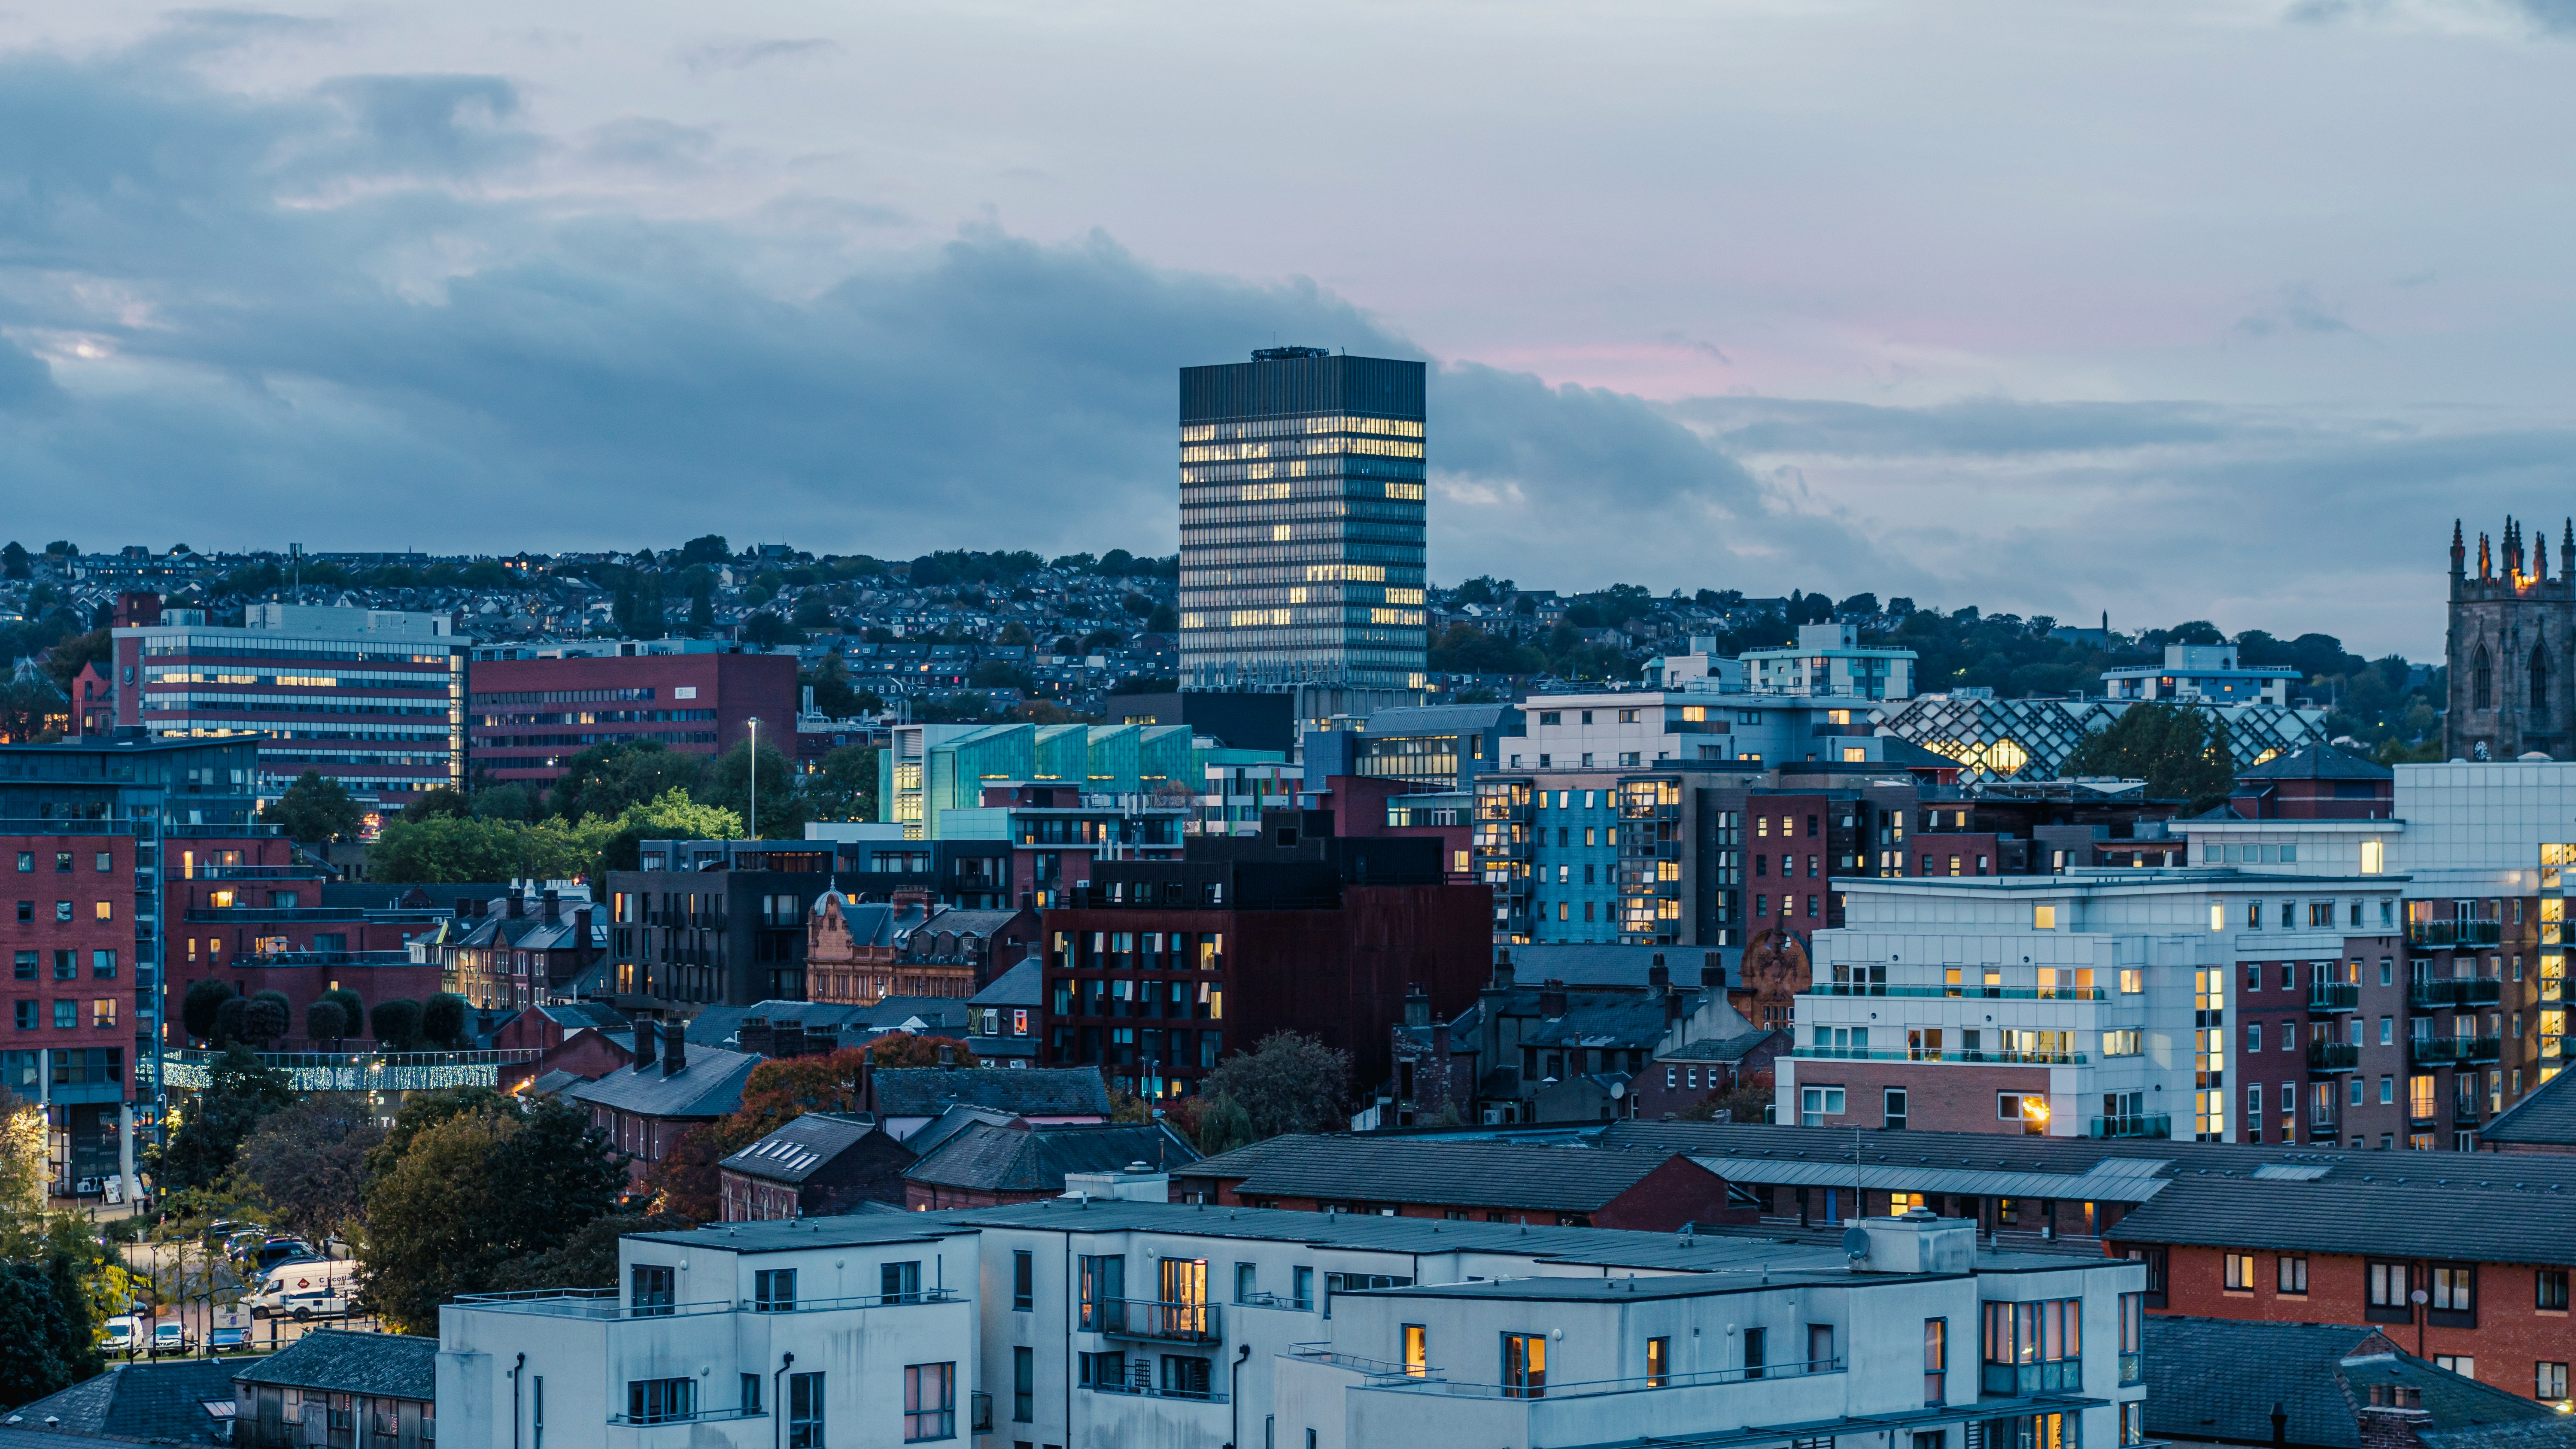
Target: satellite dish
(1855, 1241)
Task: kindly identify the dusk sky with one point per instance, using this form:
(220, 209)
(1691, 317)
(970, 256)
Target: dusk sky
(2172, 308)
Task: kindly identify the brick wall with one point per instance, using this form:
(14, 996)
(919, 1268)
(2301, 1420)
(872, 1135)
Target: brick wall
(2510, 1335)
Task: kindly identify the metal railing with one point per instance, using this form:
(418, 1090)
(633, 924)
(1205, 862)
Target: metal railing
(1154, 1319)
(2454, 933)
(597, 1305)
(1147, 1388)
(861, 1300)
(2437, 992)
(1984, 993)
(2150, 1125)
(2436, 1051)
(1586, 1388)
(1908, 1054)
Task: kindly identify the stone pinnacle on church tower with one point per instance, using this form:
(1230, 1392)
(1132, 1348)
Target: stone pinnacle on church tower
(2486, 560)
(2459, 551)
(2567, 551)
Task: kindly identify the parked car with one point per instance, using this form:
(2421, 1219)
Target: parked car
(228, 1340)
(122, 1334)
(171, 1338)
(274, 1251)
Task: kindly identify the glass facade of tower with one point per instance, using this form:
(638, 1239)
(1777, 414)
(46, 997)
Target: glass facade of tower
(1302, 522)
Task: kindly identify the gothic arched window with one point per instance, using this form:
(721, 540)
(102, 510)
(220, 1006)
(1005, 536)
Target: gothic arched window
(2539, 684)
(2482, 681)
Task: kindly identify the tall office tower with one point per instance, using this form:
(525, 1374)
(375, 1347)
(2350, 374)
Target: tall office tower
(1301, 522)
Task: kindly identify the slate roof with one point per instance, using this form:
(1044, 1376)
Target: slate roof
(800, 1148)
(575, 1015)
(709, 1085)
(555, 1081)
(993, 1158)
(148, 1401)
(2289, 1363)
(1603, 964)
(2466, 1209)
(2546, 1118)
(1022, 985)
(852, 1025)
(2317, 762)
(391, 1365)
(951, 1122)
(1496, 1174)
(2319, 1373)
(1022, 1091)
(1593, 1017)
(1719, 1049)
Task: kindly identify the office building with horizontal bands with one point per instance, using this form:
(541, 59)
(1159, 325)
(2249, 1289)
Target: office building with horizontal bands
(527, 718)
(1302, 522)
(370, 698)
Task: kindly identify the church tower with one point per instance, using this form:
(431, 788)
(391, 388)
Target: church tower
(2512, 648)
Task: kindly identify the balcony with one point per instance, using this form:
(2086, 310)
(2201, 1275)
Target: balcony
(2157, 1125)
(2446, 1051)
(2333, 1056)
(2334, 996)
(1158, 1322)
(2437, 934)
(2436, 993)
(1912, 1054)
(1985, 993)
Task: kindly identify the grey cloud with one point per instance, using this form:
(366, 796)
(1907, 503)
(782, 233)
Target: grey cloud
(25, 381)
(715, 55)
(2297, 309)
(648, 144)
(612, 379)
(2557, 17)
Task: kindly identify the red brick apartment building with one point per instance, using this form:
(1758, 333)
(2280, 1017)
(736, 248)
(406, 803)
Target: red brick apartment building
(2463, 1258)
(527, 718)
(1160, 968)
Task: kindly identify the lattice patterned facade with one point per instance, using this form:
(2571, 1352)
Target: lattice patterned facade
(2029, 739)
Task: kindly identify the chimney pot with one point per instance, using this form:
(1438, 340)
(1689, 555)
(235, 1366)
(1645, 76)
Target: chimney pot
(648, 1035)
(675, 1049)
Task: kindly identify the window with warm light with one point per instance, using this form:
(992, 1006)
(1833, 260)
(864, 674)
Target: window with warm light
(2043, 918)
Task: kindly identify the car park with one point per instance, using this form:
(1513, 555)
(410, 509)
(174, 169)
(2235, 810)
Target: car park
(171, 1338)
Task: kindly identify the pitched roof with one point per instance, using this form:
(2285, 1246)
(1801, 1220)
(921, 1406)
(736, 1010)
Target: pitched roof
(1592, 1017)
(1498, 1174)
(396, 1365)
(1597, 964)
(1022, 1091)
(708, 1085)
(2317, 762)
(953, 1121)
(2546, 1118)
(996, 1158)
(800, 1148)
(1022, 985)
(156, 1401)
(2469, 1209)
(1719, 1048)
(2292, 1364)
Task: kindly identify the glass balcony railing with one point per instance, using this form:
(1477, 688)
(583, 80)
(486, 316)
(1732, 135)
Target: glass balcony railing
(2439, 992)
(2157, 1125)
(2334, 996)
(2441, 1051)
(1925, 1054)
(2453, 933)
(1984, 993)
(2333, 1056)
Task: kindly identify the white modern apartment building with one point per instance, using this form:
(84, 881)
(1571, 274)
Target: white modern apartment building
(1089, 1323)
(1829, 660)
(2217, 1003)
(2208, 673)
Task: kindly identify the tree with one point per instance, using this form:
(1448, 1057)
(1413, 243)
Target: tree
(267, 1016)
(443, 1018)
(396, 1024)
(13, 560)
(423, 1110)
(24, 1166)
(353, 1009)
(475, 1192)
(44, 1354)
(506, 801)
(197, 1009)
(30, 709)
(214, 1121)
(898, 1050)
(684, 1182)
(446, 848)
(308, 1162)
(2181, 753)
(65, 661)
(1288, 1083)
(674, 816)
(603, 781)
(325, 1021)
(728, 785)
(445, 801)
(844, 787)
(708, 548)
(314, 811)
(1164, 620)
(588, 1259)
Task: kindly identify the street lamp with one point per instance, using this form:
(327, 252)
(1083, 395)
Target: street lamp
(751, 826)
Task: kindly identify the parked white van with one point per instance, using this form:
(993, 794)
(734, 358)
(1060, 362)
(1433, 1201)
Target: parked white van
(309, 1288)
